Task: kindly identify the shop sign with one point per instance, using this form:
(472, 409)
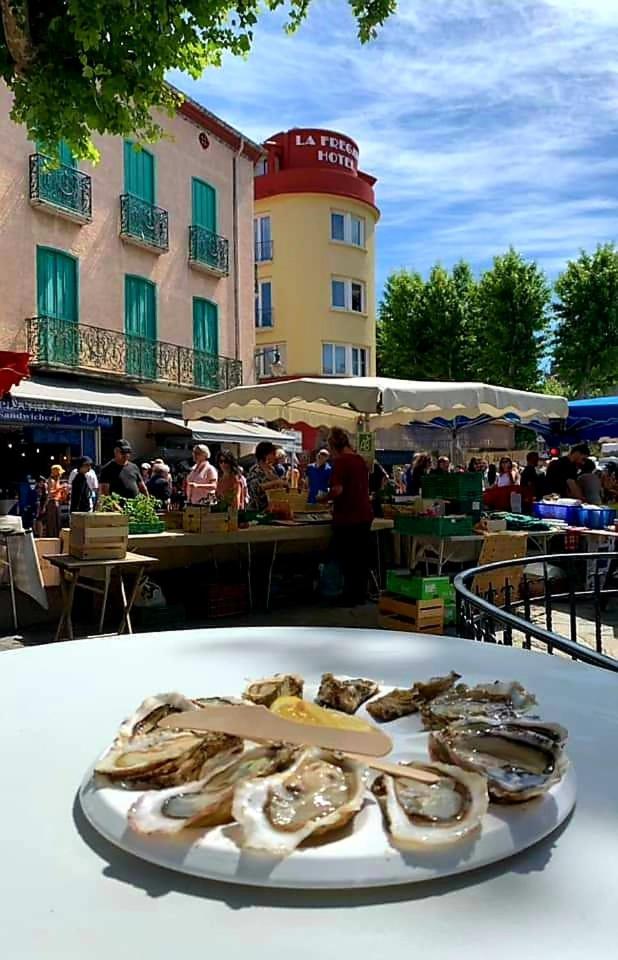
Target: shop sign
(333, 150)
(22, 413)
(366, 445)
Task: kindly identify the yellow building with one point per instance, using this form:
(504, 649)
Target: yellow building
(315, 218)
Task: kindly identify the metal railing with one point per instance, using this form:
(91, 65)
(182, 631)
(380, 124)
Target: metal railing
(264, 317)
(263, 250)
(209, 250)
(144, 222)
(61, 344)
(516, 607)
(60, 186)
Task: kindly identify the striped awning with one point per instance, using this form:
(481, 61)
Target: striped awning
(76, 397)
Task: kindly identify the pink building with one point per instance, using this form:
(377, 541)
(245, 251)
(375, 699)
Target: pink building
(130, 283)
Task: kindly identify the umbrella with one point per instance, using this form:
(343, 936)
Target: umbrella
(590, 419)
(13, 368)
(378, 402)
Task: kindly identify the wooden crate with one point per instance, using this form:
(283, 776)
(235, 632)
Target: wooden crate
(48, 547)
(422, 616)
(173, 519)
(203, 520)
(400, 623)
(99, 536)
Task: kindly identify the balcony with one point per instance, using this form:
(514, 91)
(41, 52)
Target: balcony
(60, 189)
(62, 345)
(263, 251)
(143, 224)
(264, 317)
(208, 251)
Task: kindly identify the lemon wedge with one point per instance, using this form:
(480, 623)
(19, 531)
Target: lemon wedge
(303, 711)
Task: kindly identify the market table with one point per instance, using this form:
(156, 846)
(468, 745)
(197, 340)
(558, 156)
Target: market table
(465, 548)
(67, 894)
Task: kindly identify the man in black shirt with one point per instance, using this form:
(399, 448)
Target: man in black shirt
(531, 480)
(562, 473)
(120, 476)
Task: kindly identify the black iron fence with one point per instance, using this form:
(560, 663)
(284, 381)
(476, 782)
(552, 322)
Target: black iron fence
(208, 249)
(60, 186)
(144, 222)
(521, 602)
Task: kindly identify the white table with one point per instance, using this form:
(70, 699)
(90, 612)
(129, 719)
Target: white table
(66, 894)
(464, 549)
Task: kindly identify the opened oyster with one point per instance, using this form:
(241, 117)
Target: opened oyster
(265, 692)
(208, 801)
(435, 686)
(144, 754)
(421, 814)
(401, 703)
(320, 792)
(344, 695)
(520, 759)
(490, 701)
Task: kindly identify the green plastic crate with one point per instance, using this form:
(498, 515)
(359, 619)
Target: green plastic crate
(434, 526)
(450, 614)
(157, 526)
(453, 486)
(418, 588)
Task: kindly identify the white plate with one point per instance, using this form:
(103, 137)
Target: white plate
(361, 857)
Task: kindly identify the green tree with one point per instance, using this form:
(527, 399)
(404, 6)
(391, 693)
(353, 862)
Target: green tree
(513, 301)
(586, 336)
(400, 333)
(81, 66)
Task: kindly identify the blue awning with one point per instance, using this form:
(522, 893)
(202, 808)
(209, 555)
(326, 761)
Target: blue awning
(590, 419)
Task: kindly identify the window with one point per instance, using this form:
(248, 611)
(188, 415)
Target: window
(348, 295)
(347, 228)
(140, 325)
(264, 304)
(263, 239)
(266, 356)
(57, 306)
(139, 173)
(205, 343)
(261, 167)
(203, 205)
(342, 360)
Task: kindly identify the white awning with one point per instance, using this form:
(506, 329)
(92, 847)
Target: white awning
(232, 431)
(107, 401)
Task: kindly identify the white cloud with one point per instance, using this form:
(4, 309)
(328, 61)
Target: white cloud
(487, 123)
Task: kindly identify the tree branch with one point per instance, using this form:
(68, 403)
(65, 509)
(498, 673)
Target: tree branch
(16, 24)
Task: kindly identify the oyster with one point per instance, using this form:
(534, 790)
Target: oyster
(208, 801)
(435, 686)
(144, 754)
(344, 695)
(520, 759)
(490, 701)
(428, 815)
(320, 792)
(265, 692)
(397, 703)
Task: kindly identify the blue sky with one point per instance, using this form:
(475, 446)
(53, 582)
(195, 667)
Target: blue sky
(487, 122)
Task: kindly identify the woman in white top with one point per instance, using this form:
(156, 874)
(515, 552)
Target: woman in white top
(508, 474)
(202, 481)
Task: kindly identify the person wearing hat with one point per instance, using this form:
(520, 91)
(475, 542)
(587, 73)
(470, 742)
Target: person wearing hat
(318, 475)
(57, 489)
(201, 483)
(120, 476)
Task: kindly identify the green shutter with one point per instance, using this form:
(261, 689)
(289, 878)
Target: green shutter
(62, 153)
(139, 178)
(57, 305)
(140, 323)
(206, 343)
(204, 205)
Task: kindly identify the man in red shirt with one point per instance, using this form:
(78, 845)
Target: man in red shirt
(352, 516)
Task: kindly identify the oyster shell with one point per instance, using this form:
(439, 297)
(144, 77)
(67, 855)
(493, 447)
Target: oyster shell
(429, 815)
(490, 701)
(520, 759)
(344, 695)
(265, 692)
(435, 686)
(320, 792)
(393, 705)
(143, 754)
(208, 801)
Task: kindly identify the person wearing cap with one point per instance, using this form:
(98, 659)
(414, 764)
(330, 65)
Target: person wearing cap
(202, 480)
(81, 495)
(120, 476)
(318, 475)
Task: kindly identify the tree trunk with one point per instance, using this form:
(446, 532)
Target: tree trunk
(16, 24)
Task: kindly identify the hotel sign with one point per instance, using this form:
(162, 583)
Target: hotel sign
(330, 148)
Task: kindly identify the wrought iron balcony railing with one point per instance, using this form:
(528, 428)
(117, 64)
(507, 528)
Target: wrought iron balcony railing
(263, 250)
(264, 317)
(209, 251)
(62, 344)
(57, 186)
(143, 223)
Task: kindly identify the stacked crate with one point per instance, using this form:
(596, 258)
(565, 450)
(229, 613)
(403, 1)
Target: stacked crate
(99, 536)
(415, 604)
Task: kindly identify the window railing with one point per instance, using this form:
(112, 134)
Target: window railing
(263, 250)
(63, 344)
(62, 187)
(207, 249)
(143, 223)
(264, 317)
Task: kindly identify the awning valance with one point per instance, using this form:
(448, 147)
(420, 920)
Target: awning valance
(232, 431)
(77, 398)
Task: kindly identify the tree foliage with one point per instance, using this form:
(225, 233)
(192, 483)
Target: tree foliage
(82, 66)
(586, 337)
